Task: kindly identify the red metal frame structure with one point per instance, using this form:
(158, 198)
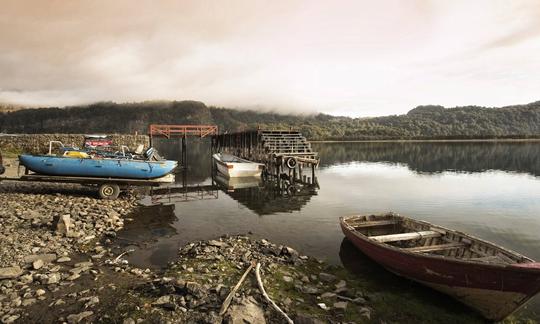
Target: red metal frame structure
(169, 131)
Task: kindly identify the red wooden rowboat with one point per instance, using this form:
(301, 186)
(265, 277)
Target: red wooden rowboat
(491, 279)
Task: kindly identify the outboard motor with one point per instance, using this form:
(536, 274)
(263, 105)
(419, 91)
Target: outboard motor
(149, 154)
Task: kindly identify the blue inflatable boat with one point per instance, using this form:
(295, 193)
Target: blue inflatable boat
(97, 167)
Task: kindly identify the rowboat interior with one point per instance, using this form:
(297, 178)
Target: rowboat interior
(228, 158)
(424, 238)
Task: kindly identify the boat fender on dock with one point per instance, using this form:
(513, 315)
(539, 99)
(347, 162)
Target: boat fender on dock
(291, 162)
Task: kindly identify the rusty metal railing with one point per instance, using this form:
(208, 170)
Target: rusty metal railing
(169, 131)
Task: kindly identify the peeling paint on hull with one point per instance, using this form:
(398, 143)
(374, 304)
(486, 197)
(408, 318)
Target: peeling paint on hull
(493, 290)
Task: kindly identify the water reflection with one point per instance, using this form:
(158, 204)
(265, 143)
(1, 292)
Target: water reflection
(152, 223)
(199, 166)
(266, 198)
(433, 157)
(357, 263)
(176, 193)
(489, 190)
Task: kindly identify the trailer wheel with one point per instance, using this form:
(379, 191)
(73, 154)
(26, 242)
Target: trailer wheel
(109, 191)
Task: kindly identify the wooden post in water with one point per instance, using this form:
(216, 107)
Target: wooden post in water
(184, 152)
(279, 176)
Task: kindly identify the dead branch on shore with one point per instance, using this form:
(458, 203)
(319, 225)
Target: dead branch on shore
(276, 307)
(227, 301)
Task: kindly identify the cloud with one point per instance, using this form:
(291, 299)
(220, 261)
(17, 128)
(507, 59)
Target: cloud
(518, 26)
(359, 58)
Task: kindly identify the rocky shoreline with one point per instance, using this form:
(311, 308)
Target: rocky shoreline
(57, 258)
(43, 227)
(58, 264)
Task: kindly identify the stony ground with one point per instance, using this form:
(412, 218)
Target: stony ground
(57, 265)
(42, 228)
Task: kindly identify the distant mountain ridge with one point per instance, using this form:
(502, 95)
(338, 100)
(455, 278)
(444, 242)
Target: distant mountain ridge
(9, 107)
(420, 122)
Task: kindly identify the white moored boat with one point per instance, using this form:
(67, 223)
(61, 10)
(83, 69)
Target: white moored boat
(233, 166)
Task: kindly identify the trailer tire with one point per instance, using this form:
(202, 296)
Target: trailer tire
(109, 191)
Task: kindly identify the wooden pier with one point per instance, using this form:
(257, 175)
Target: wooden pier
(287, 154)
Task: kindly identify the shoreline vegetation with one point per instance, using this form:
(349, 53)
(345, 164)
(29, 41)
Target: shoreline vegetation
(423, 122)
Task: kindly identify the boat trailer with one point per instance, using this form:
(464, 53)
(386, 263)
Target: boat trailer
(109, 188)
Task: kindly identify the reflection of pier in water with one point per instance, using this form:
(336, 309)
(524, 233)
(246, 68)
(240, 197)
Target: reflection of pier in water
(180, 193)
(266, 198)
(262, 197)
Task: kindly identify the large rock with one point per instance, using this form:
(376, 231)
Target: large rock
(37, 264)
(248, 312)
(341, 284)
(216, 243)
(196, 289)
(62, 224)
(166, 301)
(341, 305)
(326, 277)
(10, 272)
(31, 215)
(289, 251)
(307, 289)
(46, 258)
(307, 319)
(54, 278)
(76, 318)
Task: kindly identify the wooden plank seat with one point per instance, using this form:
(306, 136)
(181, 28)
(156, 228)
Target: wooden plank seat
(439, 247)
(376, 223)
(405, 236)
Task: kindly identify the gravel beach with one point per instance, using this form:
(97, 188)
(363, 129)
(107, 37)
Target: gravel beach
(59, 264)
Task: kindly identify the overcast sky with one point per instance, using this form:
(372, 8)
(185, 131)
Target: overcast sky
(355, 58)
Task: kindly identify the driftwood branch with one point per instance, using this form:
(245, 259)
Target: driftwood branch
(227, 301)
(276, 307)
(121, 255)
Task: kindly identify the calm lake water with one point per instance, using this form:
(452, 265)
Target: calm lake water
(490, 190)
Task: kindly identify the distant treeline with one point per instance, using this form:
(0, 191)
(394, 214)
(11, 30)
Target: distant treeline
(521, 121)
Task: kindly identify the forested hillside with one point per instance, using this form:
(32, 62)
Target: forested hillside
(420, 122)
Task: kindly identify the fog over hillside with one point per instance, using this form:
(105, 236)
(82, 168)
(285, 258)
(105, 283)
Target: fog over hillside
(420, 122)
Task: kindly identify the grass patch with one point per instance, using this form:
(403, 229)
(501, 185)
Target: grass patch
(11, 153)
